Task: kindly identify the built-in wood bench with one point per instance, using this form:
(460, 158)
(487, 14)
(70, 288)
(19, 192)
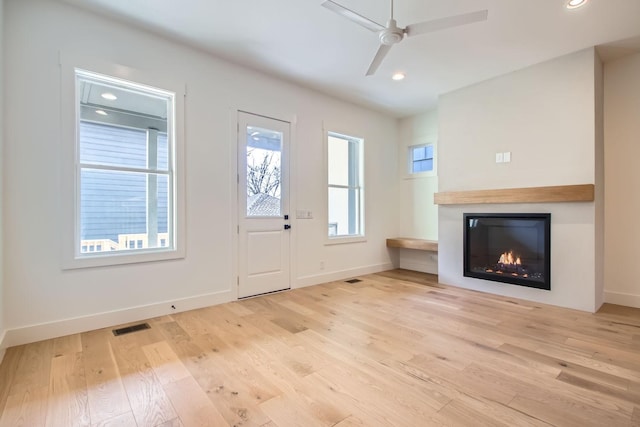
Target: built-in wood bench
(427, 262)
(409, 243)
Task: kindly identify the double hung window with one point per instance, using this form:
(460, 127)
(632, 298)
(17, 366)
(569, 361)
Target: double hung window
(345, 176)
(125, 174)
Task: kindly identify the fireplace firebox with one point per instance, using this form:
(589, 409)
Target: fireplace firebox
(508, 248)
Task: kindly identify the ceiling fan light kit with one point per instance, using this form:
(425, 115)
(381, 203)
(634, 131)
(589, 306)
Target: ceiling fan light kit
(392, 34)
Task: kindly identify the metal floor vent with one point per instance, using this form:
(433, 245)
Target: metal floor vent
(353, 281)
(129, 329)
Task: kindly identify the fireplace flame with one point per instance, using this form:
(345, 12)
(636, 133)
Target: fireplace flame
(508, 258)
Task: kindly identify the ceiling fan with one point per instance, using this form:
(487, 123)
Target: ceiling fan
(392, 34)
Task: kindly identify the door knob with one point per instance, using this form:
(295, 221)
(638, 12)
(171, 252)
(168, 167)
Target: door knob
(287, 226)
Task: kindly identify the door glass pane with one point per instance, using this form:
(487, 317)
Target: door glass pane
(264, 156)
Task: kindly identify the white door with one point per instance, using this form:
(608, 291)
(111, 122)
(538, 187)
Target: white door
(263, 203)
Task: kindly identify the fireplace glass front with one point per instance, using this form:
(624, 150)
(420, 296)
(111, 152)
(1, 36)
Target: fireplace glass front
(508, 248)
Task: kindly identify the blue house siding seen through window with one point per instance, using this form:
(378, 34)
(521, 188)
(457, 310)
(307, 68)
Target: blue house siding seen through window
(115, 202)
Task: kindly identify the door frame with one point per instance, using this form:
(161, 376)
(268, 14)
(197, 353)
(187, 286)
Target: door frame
(234, 236)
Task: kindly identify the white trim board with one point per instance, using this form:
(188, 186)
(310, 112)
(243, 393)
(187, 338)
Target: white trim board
(316, 279)
(621, 298)
(43, 331)
(3, 346)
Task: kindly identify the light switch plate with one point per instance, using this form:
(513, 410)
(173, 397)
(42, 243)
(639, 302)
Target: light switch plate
(499, 158)
(304, 214)
(506, 157)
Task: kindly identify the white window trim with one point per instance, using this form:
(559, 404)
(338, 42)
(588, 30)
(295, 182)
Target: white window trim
(69, 197)
(339, 240)
(409, 161)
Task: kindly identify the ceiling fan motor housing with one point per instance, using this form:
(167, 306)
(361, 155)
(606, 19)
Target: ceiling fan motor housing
(392, 34)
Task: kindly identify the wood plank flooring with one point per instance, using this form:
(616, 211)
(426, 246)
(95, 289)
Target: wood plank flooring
(396, 349)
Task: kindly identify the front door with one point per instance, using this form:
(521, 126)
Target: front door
(263, 196)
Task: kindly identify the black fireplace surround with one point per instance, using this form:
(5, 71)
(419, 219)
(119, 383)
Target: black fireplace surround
(508, 248)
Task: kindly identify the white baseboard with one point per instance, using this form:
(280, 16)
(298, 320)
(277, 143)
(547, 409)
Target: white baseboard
(620, 298)
(43, 331)
(3, 346)
(316, 279)
(419, 266)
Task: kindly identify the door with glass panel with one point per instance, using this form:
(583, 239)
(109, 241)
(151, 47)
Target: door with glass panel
(263, 205)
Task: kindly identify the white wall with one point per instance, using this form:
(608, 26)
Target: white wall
(418, 215)
(545, 116)
(43, 300)
(622, 174)
(2, 310)
(599, 181)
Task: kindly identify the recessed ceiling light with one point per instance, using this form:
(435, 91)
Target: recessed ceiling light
(102, 112)
(398, 76)
(109, 96)
(574, 4)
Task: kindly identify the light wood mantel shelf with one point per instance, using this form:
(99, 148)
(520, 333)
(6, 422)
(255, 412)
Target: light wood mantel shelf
(560, 193)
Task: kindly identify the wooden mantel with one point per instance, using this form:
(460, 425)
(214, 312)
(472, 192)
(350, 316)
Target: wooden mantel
(560, 193)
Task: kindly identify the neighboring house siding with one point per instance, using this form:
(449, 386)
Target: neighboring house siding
(263, 205)
(114, 202)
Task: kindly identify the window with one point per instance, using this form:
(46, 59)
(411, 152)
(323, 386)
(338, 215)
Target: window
(125, 173)
(345, 172)
(420, 158)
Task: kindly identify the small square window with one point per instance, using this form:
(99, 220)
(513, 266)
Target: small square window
(421, 158)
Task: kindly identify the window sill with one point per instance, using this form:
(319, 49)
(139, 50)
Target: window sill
(420, 175)
(89, 261)
(344, 240)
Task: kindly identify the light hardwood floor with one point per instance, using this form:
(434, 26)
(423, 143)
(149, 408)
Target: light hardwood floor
(394, 349)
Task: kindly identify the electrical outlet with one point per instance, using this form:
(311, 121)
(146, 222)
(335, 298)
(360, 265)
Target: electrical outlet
(321, 265)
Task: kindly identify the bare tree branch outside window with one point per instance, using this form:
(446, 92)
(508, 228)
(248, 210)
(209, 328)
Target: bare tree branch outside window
(263, 172)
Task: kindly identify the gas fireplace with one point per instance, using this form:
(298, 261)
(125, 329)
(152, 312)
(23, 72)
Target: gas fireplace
(508, 248)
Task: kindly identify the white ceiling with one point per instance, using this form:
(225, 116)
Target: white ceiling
(302, 41)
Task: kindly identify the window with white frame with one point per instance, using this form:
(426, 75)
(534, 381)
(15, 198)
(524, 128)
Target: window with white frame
(420, 158)
(125, 175)
(345, 180)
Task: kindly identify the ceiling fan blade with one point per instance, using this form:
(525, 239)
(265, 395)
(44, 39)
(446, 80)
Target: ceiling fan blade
(448, 22)
(377, 60)
(353, 16)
